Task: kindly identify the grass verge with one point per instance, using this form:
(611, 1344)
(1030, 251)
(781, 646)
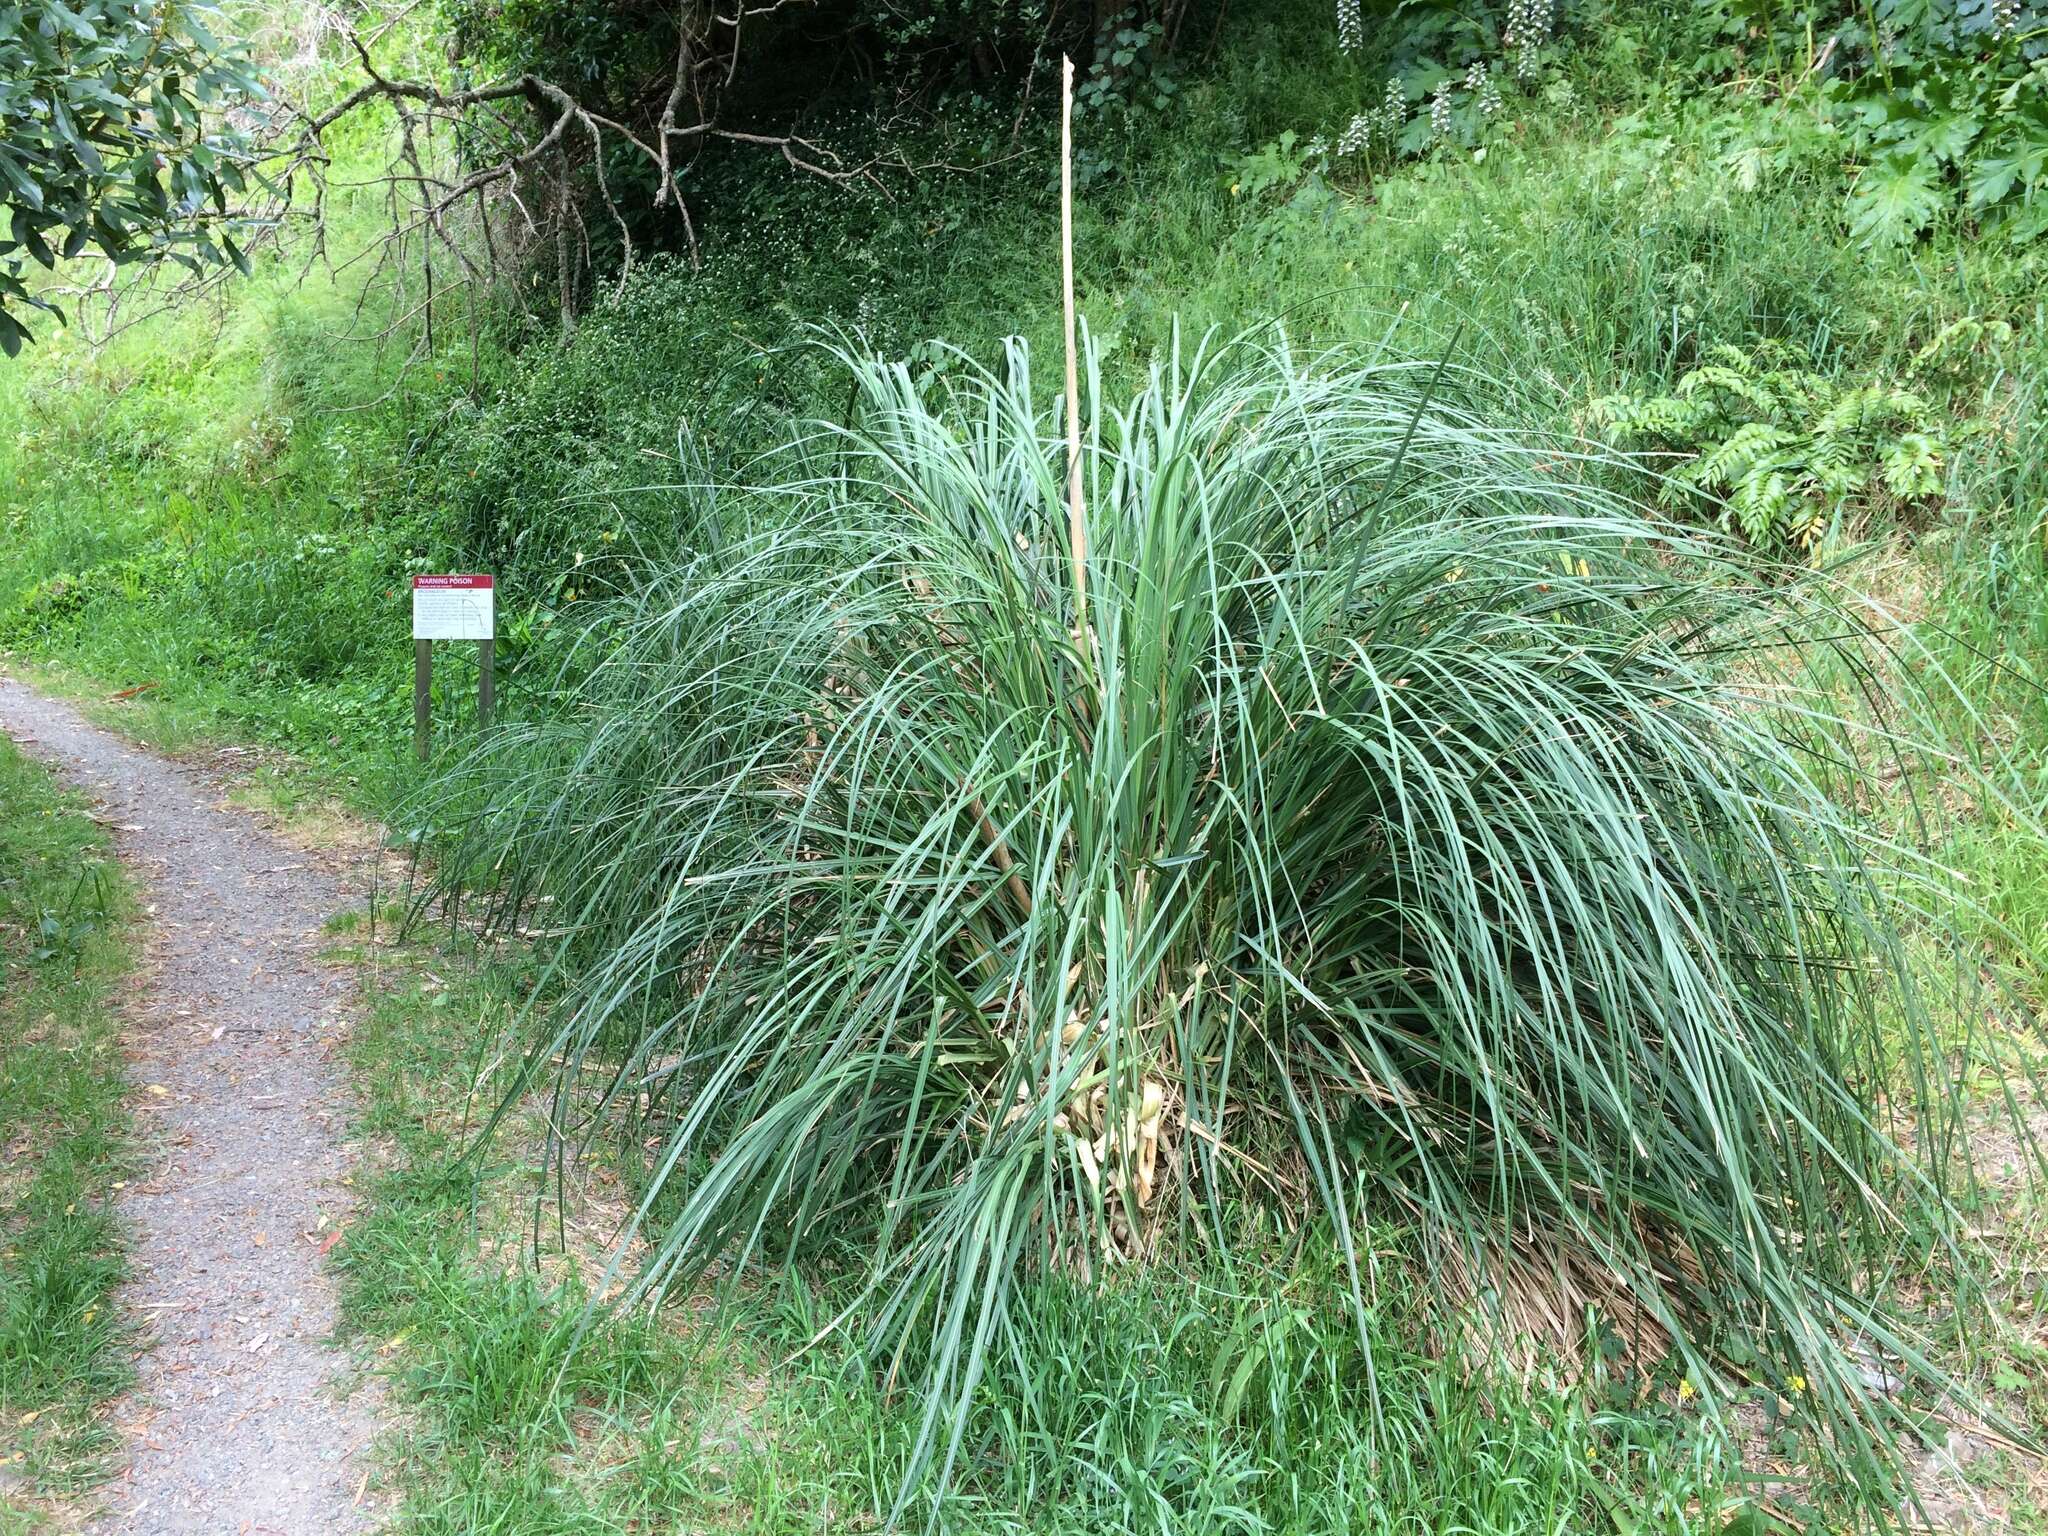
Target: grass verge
(63, 1142)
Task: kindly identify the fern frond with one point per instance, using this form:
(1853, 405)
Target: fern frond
(1912, 466)
(1737, 458)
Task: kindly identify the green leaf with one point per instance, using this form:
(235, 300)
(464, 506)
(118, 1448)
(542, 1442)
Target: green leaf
(1988, 180)
(18, 178)
(2028, 222)
(1950, 138)
(32, 238)
(1895, 199)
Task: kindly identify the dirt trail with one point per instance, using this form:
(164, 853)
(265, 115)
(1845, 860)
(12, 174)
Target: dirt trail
(238, 1423)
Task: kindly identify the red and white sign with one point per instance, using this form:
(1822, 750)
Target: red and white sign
(453, 608)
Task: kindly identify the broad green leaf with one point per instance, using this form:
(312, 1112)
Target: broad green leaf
(1950, 137)
(1895, 198)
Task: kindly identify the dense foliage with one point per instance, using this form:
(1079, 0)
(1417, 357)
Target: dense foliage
(640, 109)
(1533, 927)
(1925, 109)
(1790, 452)
(1943, 103)
(112, 139)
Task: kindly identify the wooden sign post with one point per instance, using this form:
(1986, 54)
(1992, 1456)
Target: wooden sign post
(450, 608)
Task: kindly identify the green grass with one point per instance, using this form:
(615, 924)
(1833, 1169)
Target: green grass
(63, 1135)
(225, 505)
(1192, 1402)
(1421, 845)
(1985, 612)
(209, 505)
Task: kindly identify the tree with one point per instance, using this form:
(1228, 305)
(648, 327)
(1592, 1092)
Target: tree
(115, 136)
(559, 134)
(564, 132)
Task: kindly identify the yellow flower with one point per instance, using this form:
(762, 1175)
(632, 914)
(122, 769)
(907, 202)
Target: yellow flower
(1796, 1383)
(1685, 1390)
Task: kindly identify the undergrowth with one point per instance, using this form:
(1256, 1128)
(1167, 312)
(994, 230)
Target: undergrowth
(227, 504)
(1204, 1401)
(221, 509)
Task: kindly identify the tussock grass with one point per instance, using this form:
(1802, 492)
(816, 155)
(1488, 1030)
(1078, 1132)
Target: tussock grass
(1197, 1399)
(1414, 837)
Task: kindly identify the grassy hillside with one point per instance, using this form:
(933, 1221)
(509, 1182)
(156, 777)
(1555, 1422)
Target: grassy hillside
(233, 496)
(1654, 282)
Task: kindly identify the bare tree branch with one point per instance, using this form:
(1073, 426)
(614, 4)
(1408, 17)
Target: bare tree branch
(487, 179)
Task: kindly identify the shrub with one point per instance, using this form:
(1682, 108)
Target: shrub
(1937, 104)
(1389, 842)
(1790, 453)
(534, 480)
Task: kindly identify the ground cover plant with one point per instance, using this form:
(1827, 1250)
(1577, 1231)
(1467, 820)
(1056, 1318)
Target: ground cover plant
(1365, 824)
(62, 1140)
(1791, 454)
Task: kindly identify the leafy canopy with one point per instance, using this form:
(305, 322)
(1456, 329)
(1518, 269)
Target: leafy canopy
(112, 138)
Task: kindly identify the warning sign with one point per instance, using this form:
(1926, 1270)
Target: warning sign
(453, 608)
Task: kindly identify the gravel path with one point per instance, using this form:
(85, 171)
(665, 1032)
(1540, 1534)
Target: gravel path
(238, 1424)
